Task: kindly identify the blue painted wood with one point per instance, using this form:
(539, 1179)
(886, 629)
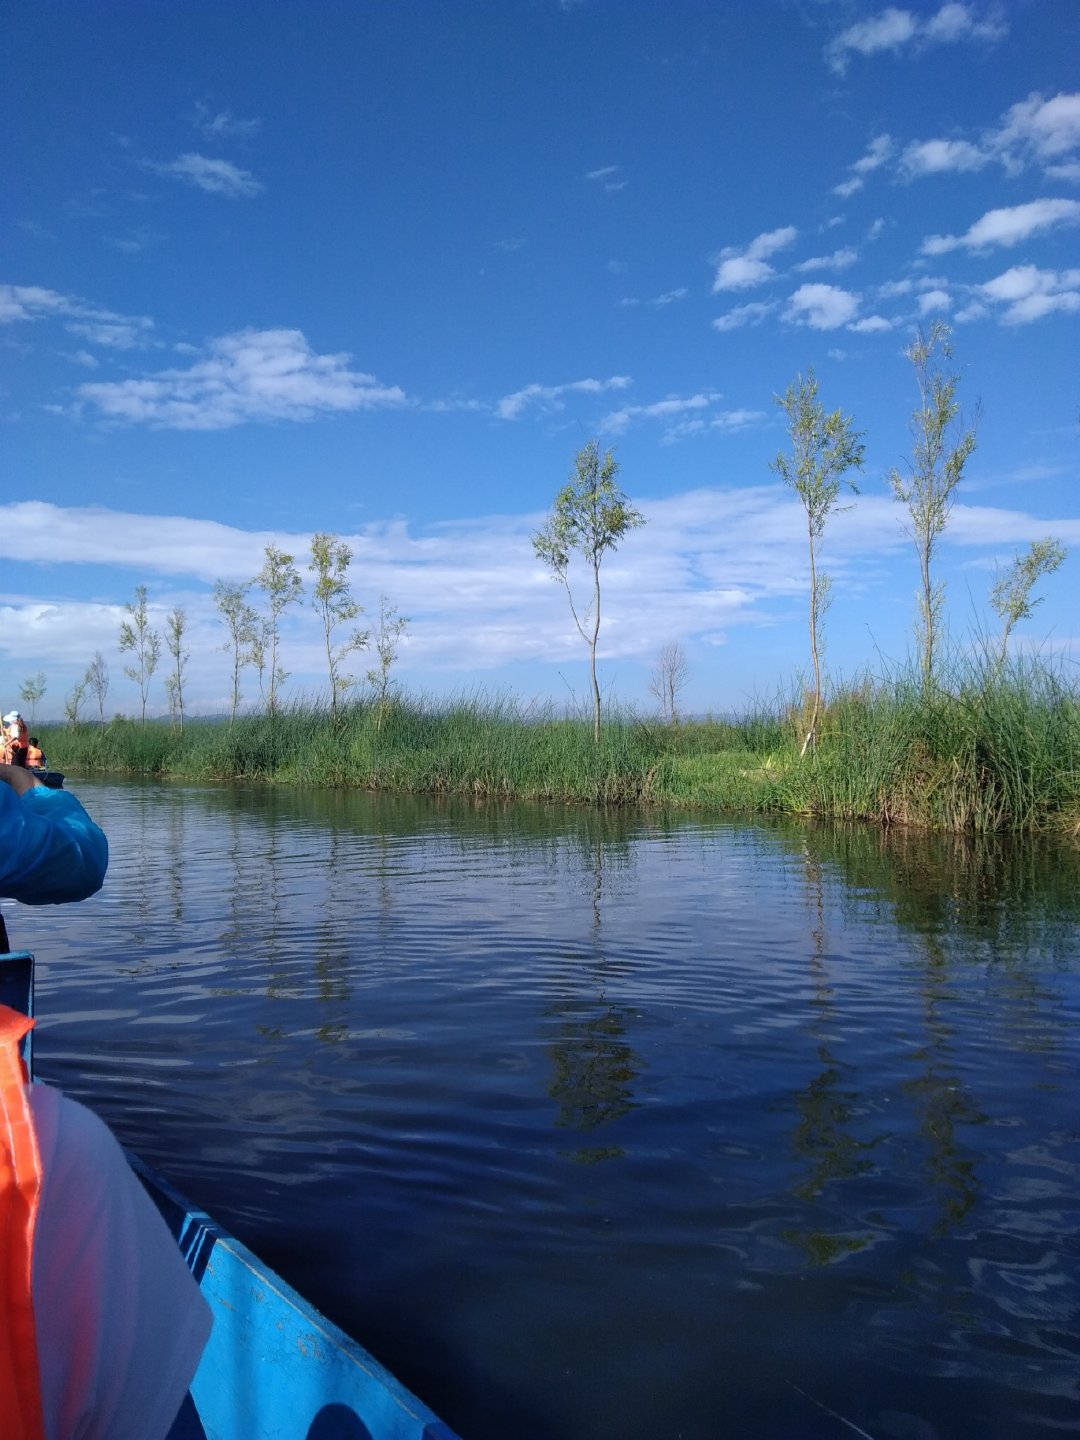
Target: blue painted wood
(274, 1368)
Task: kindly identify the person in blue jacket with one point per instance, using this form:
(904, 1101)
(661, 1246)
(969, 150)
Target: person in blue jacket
(50, 849)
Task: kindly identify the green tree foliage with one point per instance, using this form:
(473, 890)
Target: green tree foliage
(824, 447)
(590, 516)
(388, 632)
(31, 691)
(334, 604)
(241, 624)
(280, 580)
(97, 679)
(941, 451)
(175, 630)
(1011, 598)
(138, 637)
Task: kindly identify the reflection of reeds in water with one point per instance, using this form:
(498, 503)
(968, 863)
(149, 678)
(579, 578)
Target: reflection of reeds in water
(986, 749)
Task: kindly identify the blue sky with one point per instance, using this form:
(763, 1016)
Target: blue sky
(382, 269)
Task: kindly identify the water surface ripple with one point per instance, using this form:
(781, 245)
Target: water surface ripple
(607, 1125)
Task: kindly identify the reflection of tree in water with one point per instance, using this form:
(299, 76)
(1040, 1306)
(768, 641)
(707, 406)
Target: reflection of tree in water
(992, 897)
(333, 952)
(594, 1065)
(593, 1061)
(829, 1103)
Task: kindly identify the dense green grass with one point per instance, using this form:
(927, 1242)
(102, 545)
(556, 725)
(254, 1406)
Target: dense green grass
(990, 750)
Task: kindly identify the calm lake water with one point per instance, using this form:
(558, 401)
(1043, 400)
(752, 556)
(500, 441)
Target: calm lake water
(607, 1125)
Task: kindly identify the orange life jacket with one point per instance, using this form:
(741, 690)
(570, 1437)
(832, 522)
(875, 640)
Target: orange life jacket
(20, 1191)
(34, 756)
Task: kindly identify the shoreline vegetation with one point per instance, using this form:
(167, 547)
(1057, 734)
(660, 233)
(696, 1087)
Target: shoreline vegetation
(994, 749)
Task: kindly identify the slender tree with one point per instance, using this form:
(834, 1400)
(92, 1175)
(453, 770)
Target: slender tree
(388, 632)
(941, 451)
(240, 621)
(668, 678)
(31, 691)
(280, 580)
(97, 678)
(823, 449)
(590, 516)
(175, 630)
(73, 702)
(1011, 598)
(138, 637)
(333, 602)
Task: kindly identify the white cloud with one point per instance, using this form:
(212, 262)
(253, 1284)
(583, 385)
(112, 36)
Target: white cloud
(216, 177)
(1044, 133)
(931, 300)
(552, 397)
(92, 322)
(822, 307)
(889, 30)
(247, 376)
(1007, 226)
(608, 177)
(737, 419)
(741, 269)
(669, 297)
(751, 314)
(1041, 130)
(894, 29)
(1027, 293)
(838, 260)
(871, 325)
(937, 157)
(877, 154)
(708, 561)
(223, 125)
(620, 420)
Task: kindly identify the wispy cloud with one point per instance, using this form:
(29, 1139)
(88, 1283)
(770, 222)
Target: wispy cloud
(80, 317)
(216, 177)
(838, 260)
(741, 269)
(742, 315)
(821, 307)
(619, 420)
(552, 398)
(609, 177)
(895, 30)
(252, 375)
(1007, 226)
(223, 124)
(877, 154)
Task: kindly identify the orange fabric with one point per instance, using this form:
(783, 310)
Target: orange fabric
(34, 755)
(20, 1192)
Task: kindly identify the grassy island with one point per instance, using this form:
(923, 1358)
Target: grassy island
(997, 749)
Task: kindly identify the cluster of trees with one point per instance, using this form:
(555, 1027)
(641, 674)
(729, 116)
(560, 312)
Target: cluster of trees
(253, 636)
(591, 515)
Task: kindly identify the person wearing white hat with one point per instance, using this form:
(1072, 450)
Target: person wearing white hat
(16, 739)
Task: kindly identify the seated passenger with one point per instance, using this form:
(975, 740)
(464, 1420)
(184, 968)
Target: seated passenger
(50, 849)
(16, 739)
(101, 1322)
(35, 756)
